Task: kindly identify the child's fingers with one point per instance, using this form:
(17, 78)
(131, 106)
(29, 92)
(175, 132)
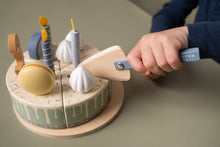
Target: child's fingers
(136, 63)
(160, 58)
(149, 61)
(172, 57)
(153, 76)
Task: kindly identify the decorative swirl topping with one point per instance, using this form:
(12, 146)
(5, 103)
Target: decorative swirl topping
(64, 51)
(81, 80)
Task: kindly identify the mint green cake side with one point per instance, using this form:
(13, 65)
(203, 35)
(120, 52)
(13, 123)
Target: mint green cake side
(84, 112)
(44, 111)
(46, 118)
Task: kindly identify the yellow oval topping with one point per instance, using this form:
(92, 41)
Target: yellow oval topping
(36, 78)
(44, 35)
(43, 21)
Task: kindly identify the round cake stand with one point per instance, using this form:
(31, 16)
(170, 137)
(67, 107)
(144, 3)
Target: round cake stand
(106, 116)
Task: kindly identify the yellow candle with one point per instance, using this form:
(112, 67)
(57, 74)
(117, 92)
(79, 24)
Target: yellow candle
(44, 35)
(73, 25)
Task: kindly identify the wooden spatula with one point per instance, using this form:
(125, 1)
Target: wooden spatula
(102, 64)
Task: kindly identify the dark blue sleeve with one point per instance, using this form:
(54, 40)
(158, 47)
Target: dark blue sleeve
(172, 14)
(206, 36)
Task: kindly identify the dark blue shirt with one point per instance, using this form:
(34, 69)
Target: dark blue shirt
(204, 33)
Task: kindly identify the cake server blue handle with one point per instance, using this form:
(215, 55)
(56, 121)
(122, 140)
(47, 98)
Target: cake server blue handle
(187, 55)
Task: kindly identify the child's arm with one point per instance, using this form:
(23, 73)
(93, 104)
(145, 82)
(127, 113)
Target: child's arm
(157, 53)
(172, 14)
(206, 36)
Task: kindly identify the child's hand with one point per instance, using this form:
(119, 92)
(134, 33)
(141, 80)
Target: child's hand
(158, 53)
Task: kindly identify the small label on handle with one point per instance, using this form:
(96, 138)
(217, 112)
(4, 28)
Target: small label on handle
(189, 55)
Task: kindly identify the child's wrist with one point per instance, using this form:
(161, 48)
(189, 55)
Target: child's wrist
(185, 36)
(185, 29)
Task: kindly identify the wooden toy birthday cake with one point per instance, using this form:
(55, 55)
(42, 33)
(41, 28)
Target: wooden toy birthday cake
(66, 90)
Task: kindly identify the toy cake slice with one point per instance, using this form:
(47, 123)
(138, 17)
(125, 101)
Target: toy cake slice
(82, 107)
(44, 111)
(102, 64)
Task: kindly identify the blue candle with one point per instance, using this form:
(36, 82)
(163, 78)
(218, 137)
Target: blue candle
(75, 48)
(47, 54)
(47, 28)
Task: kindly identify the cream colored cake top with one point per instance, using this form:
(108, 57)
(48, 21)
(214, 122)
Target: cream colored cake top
(52, 99)
(72, 97)
(55, 97)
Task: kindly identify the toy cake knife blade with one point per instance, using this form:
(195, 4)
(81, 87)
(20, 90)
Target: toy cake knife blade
(101, 64)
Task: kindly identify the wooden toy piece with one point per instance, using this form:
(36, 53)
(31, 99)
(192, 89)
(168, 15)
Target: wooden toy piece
(74, 30)
(50, 114)
(43, 21)
(75, 46)
(80, 108)
(15, 49)
(81, 80)
(47, 51)
(34, 47)
(41, 110)
(122, 65)
(82, 43)
(109, 113)
(36, 78)
(47, 28)
(28, 59)
(186, 55)
(189, 55)
(102, 64)
(44, 35)
(64, 51)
